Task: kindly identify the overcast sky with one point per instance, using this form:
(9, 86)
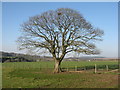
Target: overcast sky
(102, 15)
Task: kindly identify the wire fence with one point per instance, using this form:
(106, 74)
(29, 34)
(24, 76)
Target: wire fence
(47, 67)
(92, 67)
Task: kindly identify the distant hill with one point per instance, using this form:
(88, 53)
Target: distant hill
(15, 57)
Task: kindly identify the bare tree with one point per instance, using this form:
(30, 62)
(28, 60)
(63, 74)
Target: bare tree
(60, 32)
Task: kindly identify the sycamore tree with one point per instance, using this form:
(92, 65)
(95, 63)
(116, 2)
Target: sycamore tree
(60, 32)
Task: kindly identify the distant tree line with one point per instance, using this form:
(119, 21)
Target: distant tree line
(14, 57)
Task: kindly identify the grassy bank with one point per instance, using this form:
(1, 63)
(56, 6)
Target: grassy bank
(30, 75)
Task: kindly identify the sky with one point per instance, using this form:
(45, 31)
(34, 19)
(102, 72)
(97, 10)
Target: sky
(103, 15)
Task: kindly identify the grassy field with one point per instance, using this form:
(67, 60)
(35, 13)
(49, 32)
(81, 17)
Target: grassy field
(39, 75)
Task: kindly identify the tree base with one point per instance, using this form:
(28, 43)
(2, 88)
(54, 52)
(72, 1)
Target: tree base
(58, 70)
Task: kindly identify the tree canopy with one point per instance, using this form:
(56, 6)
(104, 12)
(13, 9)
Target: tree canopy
(60, 31)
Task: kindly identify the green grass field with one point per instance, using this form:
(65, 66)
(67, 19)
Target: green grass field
(39, 75)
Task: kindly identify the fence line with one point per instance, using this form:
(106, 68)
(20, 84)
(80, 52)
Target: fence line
(95, 68)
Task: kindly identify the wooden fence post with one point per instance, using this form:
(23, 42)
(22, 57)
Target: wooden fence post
(40, 67)
(75, 68)
(85, 68)
(47, 66)
(107, 67)
(119, 67)
(95, 68)
(67, 68)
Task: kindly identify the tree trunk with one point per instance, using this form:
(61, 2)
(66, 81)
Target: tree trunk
(57, 68)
